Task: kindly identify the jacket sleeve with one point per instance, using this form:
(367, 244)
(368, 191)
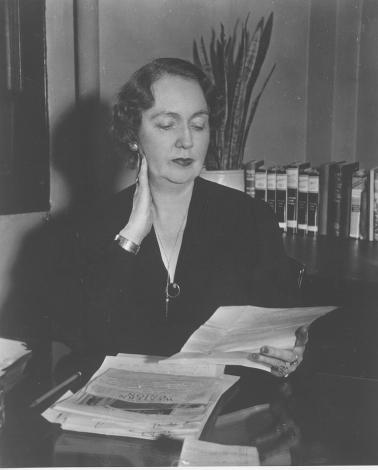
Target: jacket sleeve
(106, 271)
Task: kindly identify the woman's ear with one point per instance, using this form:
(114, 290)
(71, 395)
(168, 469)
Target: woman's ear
(133, 147)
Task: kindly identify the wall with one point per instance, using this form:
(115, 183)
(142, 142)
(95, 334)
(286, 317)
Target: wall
(16, 229)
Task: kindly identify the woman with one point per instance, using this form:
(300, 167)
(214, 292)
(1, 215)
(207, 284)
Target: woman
(165, 253)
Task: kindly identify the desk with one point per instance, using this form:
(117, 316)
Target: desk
(337, 270)
(311, 420)
(342, 272)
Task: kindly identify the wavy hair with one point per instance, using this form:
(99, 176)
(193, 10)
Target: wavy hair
(136, 96)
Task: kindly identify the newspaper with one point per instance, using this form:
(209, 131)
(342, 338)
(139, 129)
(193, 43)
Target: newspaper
(233, 333)
(150, 400)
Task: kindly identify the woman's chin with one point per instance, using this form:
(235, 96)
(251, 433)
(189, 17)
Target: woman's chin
(182, 176)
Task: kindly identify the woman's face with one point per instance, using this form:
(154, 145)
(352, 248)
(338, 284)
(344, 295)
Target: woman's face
(174, 133)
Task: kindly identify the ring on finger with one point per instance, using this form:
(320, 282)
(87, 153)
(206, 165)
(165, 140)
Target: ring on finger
(295, 361)
(283, 371)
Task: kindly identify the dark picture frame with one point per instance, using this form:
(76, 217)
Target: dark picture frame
(24, 131)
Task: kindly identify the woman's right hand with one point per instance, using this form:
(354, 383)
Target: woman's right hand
(140, 221)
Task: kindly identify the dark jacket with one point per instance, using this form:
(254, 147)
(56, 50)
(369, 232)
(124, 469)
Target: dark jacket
(231, 254)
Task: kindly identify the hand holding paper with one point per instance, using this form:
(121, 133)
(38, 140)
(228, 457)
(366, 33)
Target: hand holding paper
(233, 334)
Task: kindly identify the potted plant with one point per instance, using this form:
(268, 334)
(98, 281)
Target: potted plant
(233, 62)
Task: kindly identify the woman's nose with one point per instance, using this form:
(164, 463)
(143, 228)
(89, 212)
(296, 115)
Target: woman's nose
(185, 139)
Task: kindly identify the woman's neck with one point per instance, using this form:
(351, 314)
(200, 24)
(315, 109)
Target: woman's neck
(171, 199)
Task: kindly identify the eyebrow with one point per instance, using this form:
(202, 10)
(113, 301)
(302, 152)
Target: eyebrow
(176, 115)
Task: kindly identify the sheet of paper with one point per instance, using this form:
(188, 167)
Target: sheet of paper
(201, 453)
(10, 352)
(139, 362)
(232, 333)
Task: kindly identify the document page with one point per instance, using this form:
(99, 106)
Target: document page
(232, 333)
(10, 352)
(201, 453)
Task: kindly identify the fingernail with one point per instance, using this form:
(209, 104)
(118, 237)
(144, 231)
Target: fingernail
(254, 356)
(264, 350)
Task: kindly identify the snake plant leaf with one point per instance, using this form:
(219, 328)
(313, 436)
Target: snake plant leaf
(264, 45)
(254, 108)
(239, 104)
(244, 96)
(204, 53)
(213, 60)
(206, 66)
(196, 58)
(236, 73)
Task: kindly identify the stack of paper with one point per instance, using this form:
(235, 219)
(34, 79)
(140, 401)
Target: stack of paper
(232, 333)
(14, 356)
(137, 396)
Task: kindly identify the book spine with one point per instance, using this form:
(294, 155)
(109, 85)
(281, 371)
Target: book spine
(313, 204)
(302, 203)
(271, 189)
(250, 176)
(281, 193)
(335, 203)
(324, 180)
(260, 184)
(355, 214)
(371, 205)
(375, 216)
(292, 199)
(346, 196)
(364, 209)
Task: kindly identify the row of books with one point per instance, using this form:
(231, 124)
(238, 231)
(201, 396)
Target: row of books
(336, 198)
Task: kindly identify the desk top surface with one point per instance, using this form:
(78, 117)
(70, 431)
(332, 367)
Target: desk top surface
(309, 420)
(327, 257)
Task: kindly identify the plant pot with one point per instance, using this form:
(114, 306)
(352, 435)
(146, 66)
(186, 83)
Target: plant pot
(231, 178)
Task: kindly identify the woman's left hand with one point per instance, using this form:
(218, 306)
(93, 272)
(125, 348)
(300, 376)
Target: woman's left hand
(283, 361)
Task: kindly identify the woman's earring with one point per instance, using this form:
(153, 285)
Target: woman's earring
(133, 147)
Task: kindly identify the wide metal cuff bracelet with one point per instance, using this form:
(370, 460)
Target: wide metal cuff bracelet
(126, 244)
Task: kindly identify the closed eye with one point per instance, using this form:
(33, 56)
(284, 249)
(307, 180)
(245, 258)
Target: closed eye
(199, 126)
(165, 126)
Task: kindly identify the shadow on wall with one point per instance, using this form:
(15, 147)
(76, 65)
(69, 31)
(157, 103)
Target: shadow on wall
(45, 303)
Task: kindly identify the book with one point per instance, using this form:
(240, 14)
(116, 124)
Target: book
(302, 202)
(359, 187)
(340, 198)
(281, 196)
(376, 205)
(271, 186)
(292, 171)
(325, 176)
(313, 202)
(261, 182)
(250, 175)
(373, 204)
